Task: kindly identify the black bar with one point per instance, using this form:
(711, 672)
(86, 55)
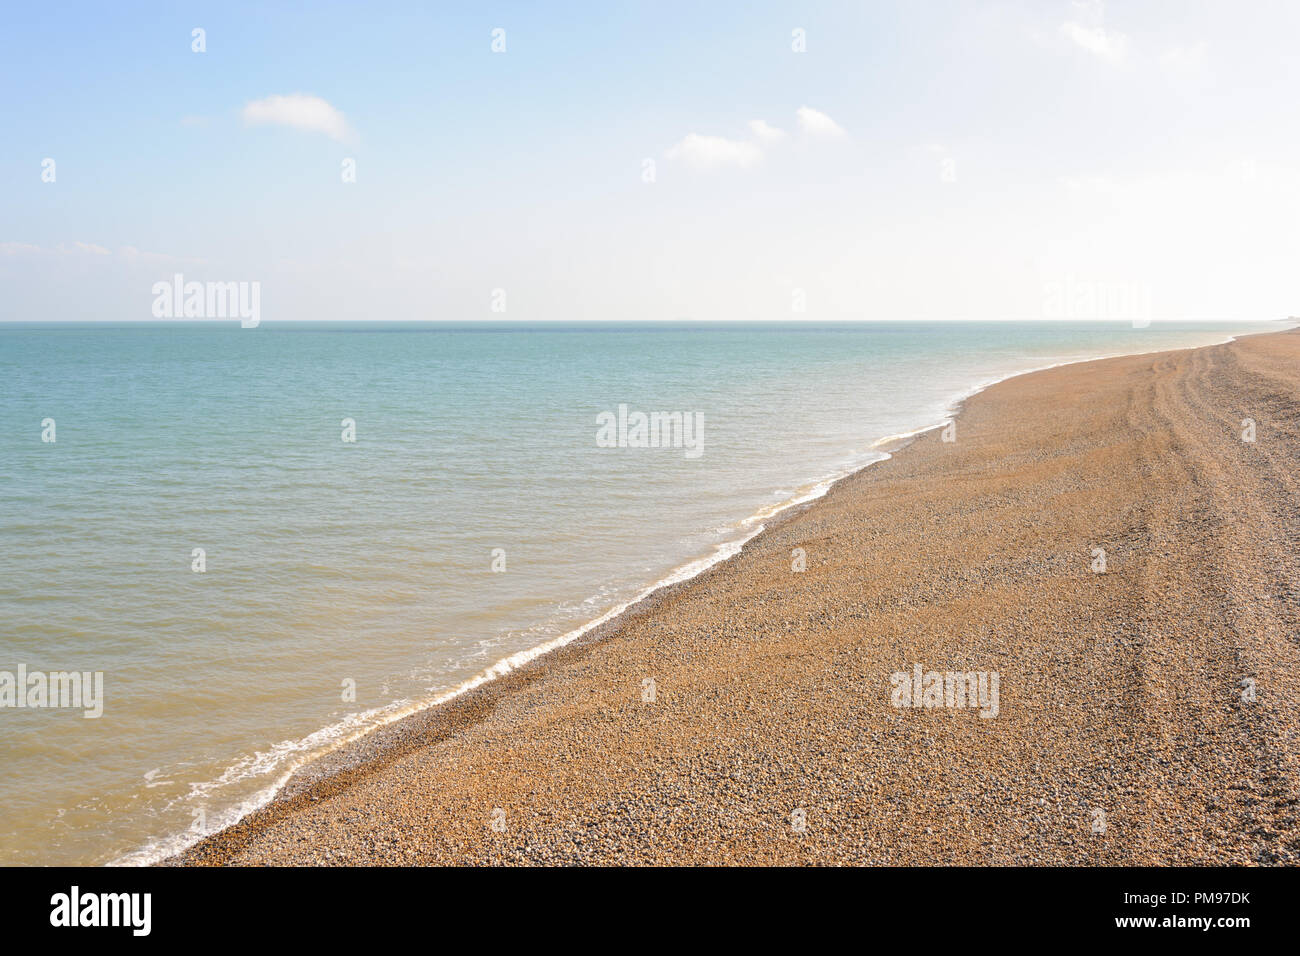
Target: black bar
(948, 906)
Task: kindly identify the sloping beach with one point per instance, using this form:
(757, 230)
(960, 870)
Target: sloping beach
(1146, 713)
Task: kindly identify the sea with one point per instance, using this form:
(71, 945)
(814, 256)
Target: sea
(268, 541)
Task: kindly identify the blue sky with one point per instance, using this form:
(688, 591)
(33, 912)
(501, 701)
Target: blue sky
(933, 160)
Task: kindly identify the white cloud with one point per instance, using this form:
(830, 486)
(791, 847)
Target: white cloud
(76, 247)
(713, 152)
(1109, 45)
(815, 123)
(766, 133)
(130, 254)
(301, 112)
(17, 248)
(91, 248)
(133, 255)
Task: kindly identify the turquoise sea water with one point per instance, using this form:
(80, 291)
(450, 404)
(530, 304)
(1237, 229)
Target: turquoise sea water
(370, 563)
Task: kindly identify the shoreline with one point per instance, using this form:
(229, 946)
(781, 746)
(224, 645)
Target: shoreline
(376, 747)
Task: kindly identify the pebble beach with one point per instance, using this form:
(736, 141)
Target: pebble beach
(1116, 541)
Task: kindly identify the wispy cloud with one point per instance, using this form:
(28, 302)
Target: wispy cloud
(74, 248)
(132, 254)
(91, 248)
(18, 248)
(717, 152)
(1096, 40)
(300, 111)
(713, 152)
(1088, 31)
(129, 254)
(765, 132)
(816, 123)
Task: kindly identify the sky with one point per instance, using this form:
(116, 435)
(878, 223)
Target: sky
(654, 161)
